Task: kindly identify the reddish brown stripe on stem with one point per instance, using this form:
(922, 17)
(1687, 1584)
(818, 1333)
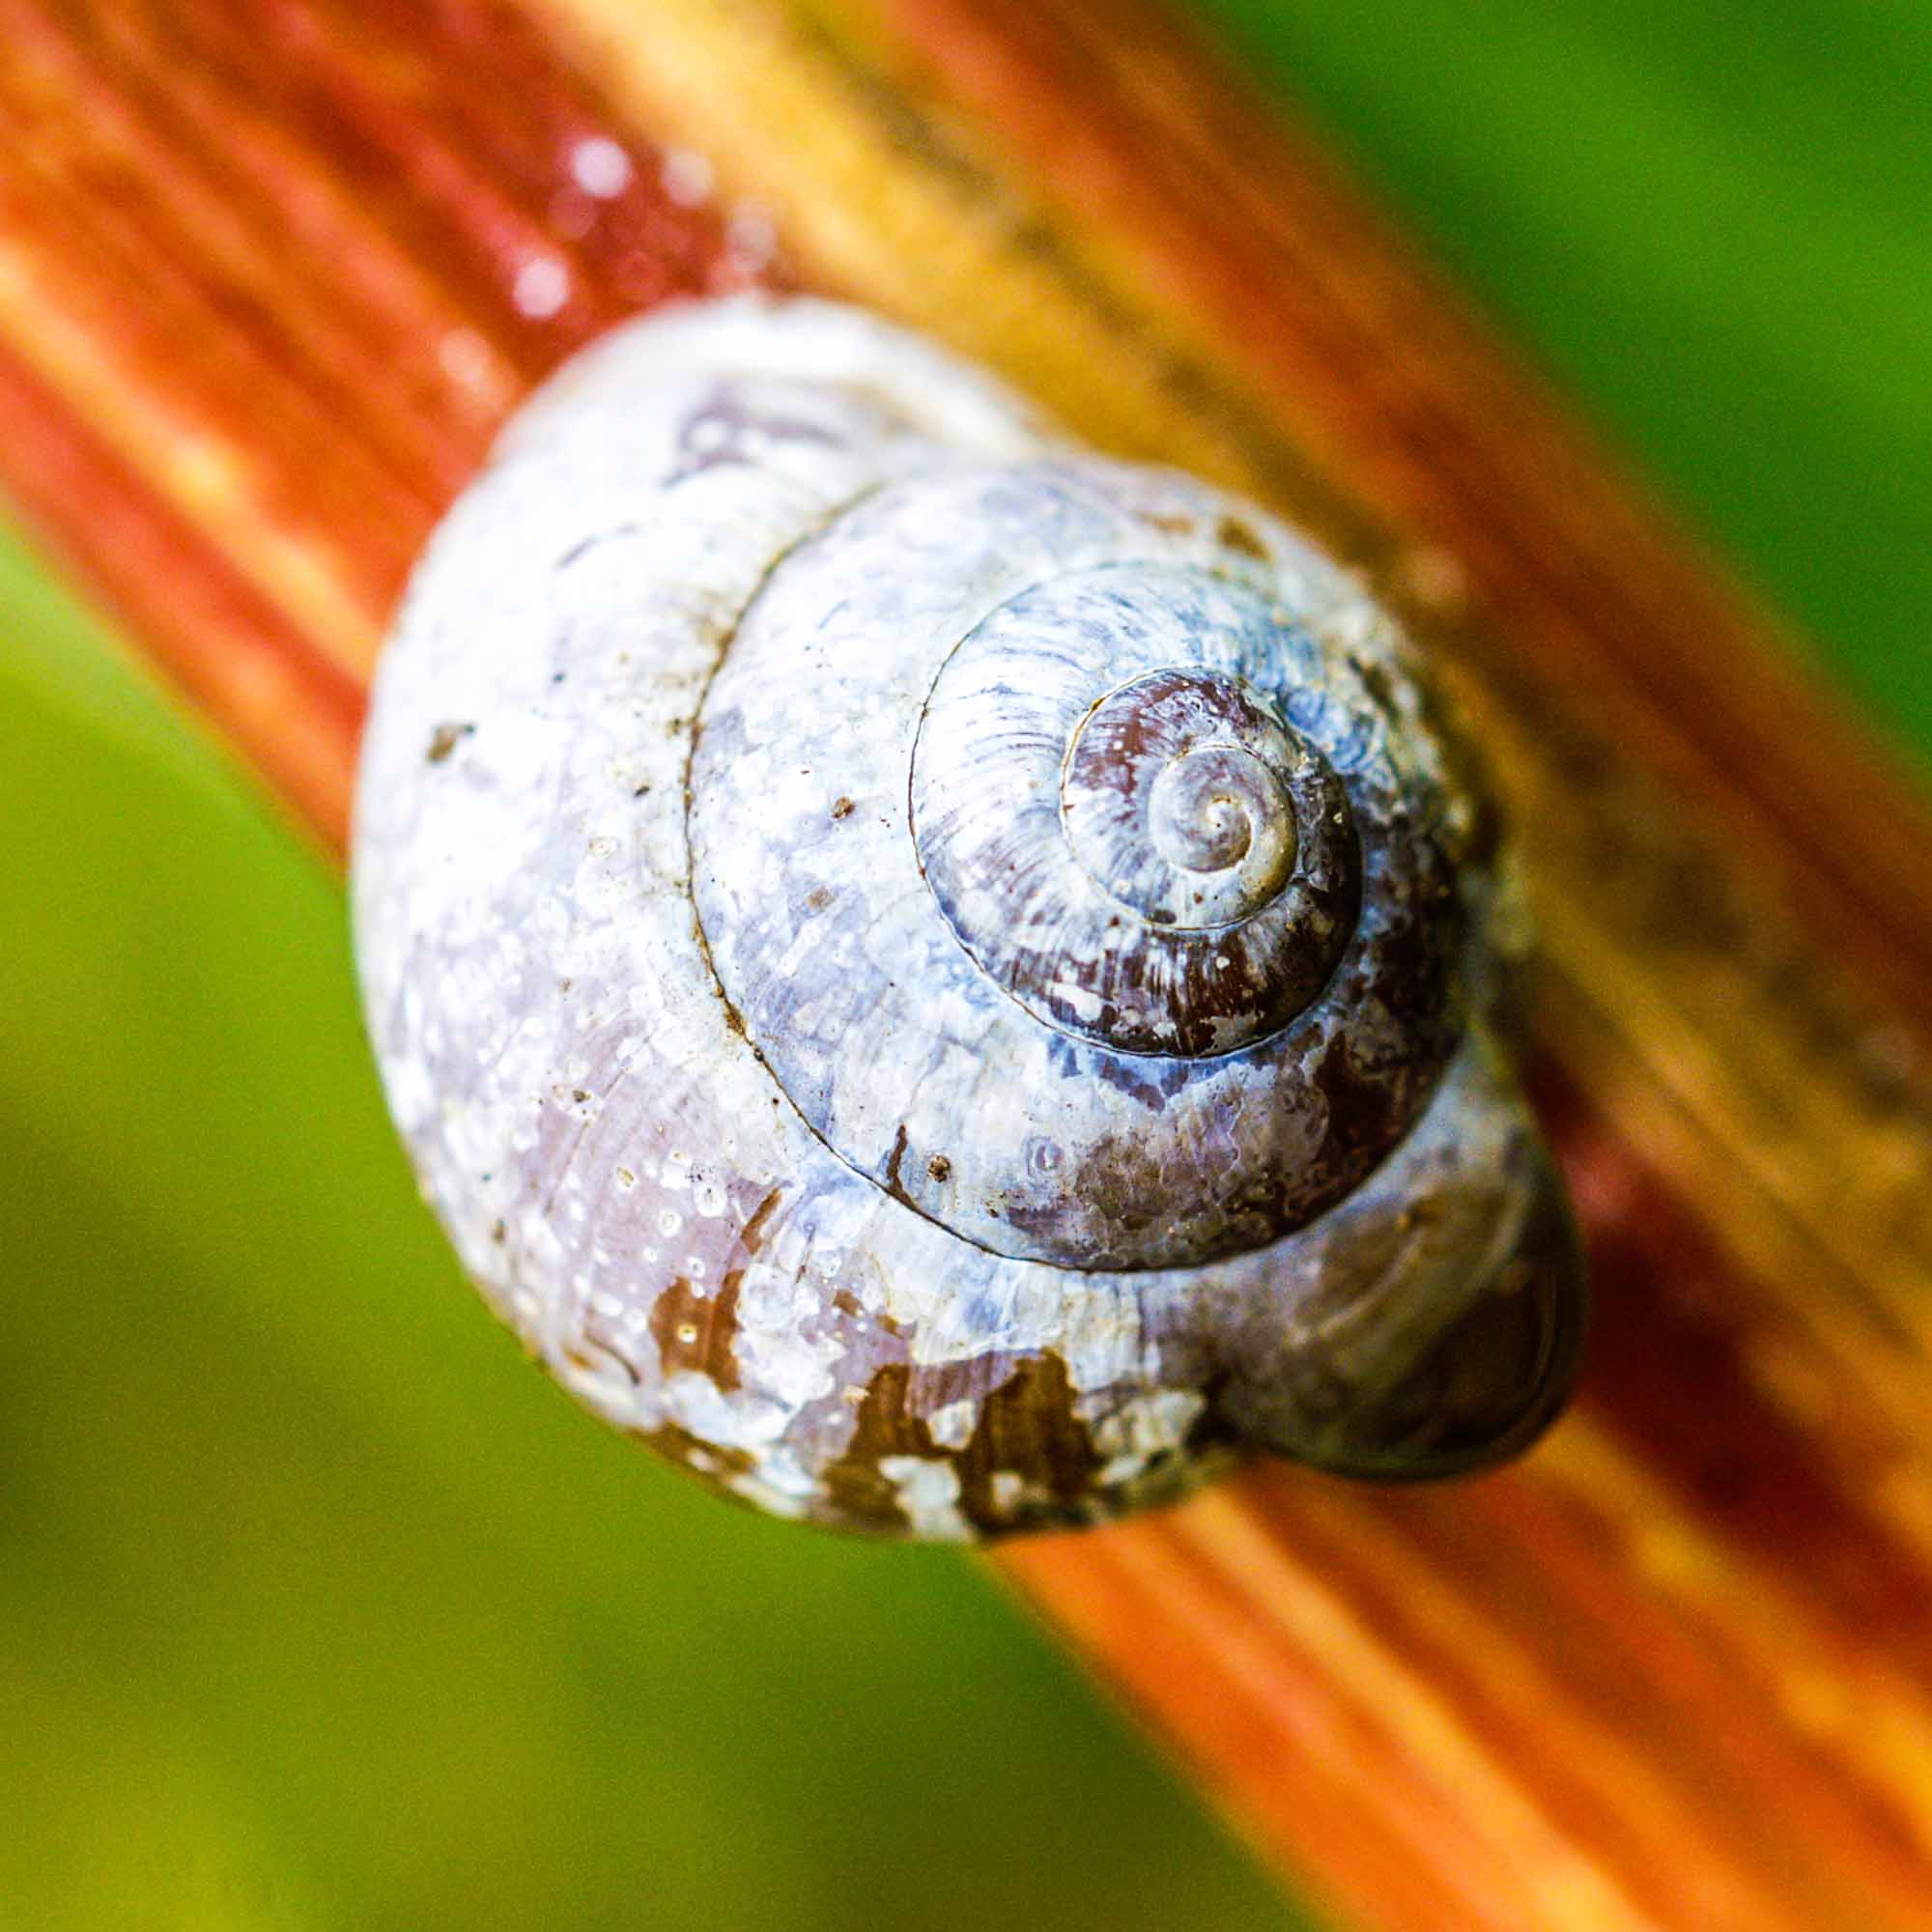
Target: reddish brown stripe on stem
(1671, 1382)
(280, 273)
(1653, 1725)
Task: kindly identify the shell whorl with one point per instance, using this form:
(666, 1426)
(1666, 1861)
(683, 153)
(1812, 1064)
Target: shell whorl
(1118, 824)
(936, 977)
(1177, 794)
(944, 989)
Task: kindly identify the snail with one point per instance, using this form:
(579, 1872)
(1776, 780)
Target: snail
(946, 983)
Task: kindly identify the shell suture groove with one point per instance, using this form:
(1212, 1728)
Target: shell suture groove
(930, 974)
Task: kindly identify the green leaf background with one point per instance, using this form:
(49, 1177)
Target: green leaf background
(319, 1609)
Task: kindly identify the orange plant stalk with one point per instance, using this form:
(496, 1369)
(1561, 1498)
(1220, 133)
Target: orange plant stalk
(270, 276)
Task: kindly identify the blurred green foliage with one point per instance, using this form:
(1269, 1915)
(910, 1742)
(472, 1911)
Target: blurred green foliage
(1713, 220)
(318, 1607)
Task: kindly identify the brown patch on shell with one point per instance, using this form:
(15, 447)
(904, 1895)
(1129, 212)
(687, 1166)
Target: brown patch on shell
(594, 1351)
(710, 1463)
(848, 1303)
(895, 1180)
(1119, 1179)
(1026, 1427)
(444, 739)
(1365, 1112)
(751, 1236)
(1235, 534)
(696, 1331)
(1169, 525)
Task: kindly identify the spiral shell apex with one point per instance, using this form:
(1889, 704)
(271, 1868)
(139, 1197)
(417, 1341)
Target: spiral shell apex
(939, 979)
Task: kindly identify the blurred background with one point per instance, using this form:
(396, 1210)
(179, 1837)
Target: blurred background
(318, 1607)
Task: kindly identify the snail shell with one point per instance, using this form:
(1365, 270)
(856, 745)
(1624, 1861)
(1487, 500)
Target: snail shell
(939, 979)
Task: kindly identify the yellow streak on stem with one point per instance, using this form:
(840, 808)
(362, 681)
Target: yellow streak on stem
(1546, 1865)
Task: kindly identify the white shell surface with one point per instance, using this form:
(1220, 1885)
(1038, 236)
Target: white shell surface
(892, 904)
(634, 820)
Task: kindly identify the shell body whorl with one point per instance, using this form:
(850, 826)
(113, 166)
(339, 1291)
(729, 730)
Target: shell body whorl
(935, 977)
